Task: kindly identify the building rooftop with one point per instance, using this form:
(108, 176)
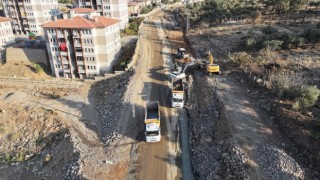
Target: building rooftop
(2, 19)
(81, 22)
(83, 10)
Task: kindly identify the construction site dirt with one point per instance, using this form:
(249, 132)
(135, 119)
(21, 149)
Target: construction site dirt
(238, 130)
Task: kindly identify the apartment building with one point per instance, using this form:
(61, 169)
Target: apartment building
(117, 9)
(82, 46)
(28, 15)
(6, 35)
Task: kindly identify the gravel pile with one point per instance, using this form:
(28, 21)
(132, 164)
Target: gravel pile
(205, 154)
(112, 106)
(232, 163)
(71, 172)
(276, 164)
(206, 159)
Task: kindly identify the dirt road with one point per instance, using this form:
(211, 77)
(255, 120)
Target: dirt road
(154, 160)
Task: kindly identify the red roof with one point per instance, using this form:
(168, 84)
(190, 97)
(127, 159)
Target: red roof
(83, 10)
(2, 19)
(80, 22)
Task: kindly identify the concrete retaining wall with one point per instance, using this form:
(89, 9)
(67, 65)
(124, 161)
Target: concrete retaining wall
(136, 54)
(31, 55)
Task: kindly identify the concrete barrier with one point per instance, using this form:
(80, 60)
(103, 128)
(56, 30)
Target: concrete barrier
(27, 55)
(136, 54)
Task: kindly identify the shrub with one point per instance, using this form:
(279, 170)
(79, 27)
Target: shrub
(250, 43)
(38, 69)
(269, 30)
(241, 58)
(146, 9)
(273, 44)
(287, 86)
(308, 96)
(312, 35)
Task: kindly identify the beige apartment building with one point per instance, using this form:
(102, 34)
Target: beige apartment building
(28, 15)
(6, 35)
(82, 46)
(117, 9)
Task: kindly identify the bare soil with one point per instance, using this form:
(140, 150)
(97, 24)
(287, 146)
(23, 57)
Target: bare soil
(249, 115)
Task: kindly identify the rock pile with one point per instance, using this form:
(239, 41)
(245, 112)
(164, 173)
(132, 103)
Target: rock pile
(112, 106)
(277, 164)
(71, 172)
(232, 163)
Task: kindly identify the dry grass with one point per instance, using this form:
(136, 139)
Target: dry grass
(22, 70)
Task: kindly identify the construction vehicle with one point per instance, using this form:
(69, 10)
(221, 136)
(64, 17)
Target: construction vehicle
(177, 93)
(179, 71)
(212, 67)
(152, 121)
(181, 53)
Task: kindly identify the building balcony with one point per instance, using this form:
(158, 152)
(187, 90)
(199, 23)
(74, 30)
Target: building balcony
(80, 62)
(78, 53)
(63, 53)
(78, 50)
(88, 3)
(78, 45)
(64, 61)
(13, 15)
(16, 27)
(24, 22)
(60, 35)
(11, 3)
(15, 22)
(11, 9)
(81, 71)
(67, 70)
(20, 3)
(26, 28)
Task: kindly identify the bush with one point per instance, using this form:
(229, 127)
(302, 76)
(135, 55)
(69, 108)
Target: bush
(308, 96)
(241, 58)
(38, 68)
(287, 86)
(133, 27)
(273, 44)
(65, 1)
(250, 43)
(269, 30)
(312, 35)
(146, 9)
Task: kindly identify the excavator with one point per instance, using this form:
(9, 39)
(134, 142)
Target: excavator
(212, 67)
(190, 64)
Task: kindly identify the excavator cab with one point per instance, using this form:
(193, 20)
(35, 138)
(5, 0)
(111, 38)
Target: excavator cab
(181, 53)
(212, 67)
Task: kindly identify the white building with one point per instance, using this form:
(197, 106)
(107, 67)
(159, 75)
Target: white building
(6, 35)
(117, 9)
(82, 46)
(28, 15)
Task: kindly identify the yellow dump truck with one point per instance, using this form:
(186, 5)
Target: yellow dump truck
(152, 121)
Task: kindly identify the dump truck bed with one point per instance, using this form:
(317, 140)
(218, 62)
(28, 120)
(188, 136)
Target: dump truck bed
(152, 110)
(177, 85)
